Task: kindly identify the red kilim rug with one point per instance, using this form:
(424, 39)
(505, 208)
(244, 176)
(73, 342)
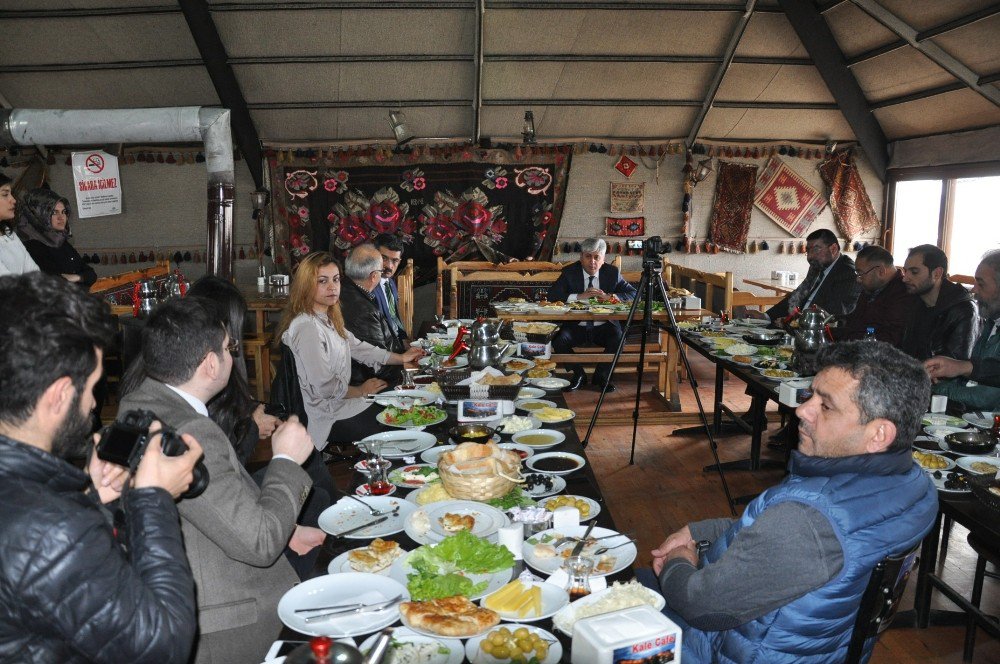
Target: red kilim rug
(734, 189)
(852, 208)
(786, 198)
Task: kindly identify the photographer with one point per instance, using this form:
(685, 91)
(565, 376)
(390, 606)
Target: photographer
(69, 591)
(234, 532)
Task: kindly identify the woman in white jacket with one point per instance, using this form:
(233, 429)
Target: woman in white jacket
(14, 258)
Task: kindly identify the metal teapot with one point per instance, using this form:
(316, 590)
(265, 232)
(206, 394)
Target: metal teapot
(485, 347)
(323, 650)
(144, 298)
(811, 331)
(174, 286)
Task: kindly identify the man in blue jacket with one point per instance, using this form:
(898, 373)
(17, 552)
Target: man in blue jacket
(590, 277)
(71, 588)
(783, 583)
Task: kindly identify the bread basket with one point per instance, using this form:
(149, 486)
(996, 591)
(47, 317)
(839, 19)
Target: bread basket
(474, 471)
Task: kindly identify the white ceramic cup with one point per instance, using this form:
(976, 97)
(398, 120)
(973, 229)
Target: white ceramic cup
(939, 403)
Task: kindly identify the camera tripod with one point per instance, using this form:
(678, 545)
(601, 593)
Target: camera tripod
(649, 284)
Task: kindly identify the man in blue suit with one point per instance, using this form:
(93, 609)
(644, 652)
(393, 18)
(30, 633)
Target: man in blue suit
(386, 293)
(590, 277)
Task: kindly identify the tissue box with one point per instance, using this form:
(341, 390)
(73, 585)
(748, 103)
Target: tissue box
(691, 302)
(795, 392)
(637, 634)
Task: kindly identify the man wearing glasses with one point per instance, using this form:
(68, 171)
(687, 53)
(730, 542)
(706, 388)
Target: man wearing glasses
(831, 283)
(883, 305)
(363, 315)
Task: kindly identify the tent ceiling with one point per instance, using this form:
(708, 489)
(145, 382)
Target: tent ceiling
(625, 70)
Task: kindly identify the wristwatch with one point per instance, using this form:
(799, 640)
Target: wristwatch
(701, 546)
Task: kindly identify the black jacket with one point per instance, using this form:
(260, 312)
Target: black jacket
(63, 259)
(69, 592)
(837, 296)
(949, 328)
(363, 317)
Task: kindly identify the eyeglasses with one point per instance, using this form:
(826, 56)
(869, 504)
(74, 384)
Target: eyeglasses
(861, 274)
(234, 348)
(815, 248)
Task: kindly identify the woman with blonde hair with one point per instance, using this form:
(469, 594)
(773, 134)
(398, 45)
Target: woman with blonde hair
(312, 326)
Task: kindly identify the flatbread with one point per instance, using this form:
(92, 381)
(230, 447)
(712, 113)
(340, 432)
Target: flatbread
(456, 522)
(449, 616)
(375, 557)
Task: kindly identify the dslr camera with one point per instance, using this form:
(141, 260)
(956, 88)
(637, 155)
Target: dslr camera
(652, 247)
(125, 441)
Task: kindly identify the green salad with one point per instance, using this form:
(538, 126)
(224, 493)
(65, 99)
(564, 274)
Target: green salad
(416, 416)
(443, 349)
(439, 569)
(515, 498)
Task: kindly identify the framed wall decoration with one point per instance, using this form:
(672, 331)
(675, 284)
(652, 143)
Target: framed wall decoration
(628, 196)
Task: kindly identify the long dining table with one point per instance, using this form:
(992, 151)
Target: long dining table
(581, 482)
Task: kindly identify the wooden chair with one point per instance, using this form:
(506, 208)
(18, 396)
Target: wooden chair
(103, 284)
(404, 285)
(963, 279)
(257, 350)
(880, 601)
(714, 288)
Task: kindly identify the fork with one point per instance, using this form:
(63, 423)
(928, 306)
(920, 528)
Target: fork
(605, 549)
(372, 510)
(566, 540)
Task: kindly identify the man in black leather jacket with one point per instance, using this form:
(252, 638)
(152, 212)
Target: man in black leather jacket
(69, 592)
(362, 314)
(944, 320)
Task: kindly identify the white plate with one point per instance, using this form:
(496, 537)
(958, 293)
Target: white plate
(362, 466)
(966, 463)
(559, 620)
(556, 436)
(476, 656)
(459, 362)
(438, 509)
(392, 397)
(624, 556)
(595, 507)
(939, 432)
(412, 496)
(554, 598)
(494, 581)
(523, 450)
(532, 463)
(558, 486)
(951, 464)
(942, 419)
(939, 483)
(341, 589)
(535, 423)
(530, 393)
(341, 564)
(979, 422)
(488, 518)
(381, 420)
(348, 513)
(528, 364)
(421, 440)
(520, 403)
(411, 484)
(569, 417)
(456, 650)
(433, 455)
(364, 490)
(550, 383)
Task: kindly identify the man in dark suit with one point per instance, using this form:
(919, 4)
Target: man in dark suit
(235, 532)
(387, 294)
(362, 315)
(883, 304)
(590, 277)
(831, 283)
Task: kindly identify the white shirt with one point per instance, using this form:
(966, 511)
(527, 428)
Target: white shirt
(14, 258)
(573, 297)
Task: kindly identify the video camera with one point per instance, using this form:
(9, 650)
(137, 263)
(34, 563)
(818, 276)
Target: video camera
(125, 441)
(652, 247)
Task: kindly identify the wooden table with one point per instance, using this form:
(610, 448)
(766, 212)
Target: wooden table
(769, 284)
(263, 302)
(582, 483)
(666, 384)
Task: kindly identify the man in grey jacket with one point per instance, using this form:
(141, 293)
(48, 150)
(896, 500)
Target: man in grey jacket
(235, 532)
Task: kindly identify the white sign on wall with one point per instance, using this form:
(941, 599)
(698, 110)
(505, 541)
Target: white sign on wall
(97, 184)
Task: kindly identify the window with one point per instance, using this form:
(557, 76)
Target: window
(958, 214)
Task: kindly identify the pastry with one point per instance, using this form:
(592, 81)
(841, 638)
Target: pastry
(449, 616)
(375, 557)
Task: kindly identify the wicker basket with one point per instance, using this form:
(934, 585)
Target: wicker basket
(474, 471)
(452, 391)
(980, 485)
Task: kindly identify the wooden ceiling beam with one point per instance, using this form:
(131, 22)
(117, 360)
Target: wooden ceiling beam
(935, 53)
(477, 99)
(720, 71)
(816, 36)
(213, 54)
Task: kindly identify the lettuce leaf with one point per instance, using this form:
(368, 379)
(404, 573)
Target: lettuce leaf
(468, 553)
(423, 586)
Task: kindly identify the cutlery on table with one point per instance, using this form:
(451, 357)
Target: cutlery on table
(566, 540)
(349, 609)
(355, 529)
(578, 549)
(605, 549)
(372, 510)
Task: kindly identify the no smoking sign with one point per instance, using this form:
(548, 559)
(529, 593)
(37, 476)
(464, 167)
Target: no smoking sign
(94, 163)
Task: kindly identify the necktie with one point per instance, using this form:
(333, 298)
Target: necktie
(392, 306)
(590, 283)
(590, 323)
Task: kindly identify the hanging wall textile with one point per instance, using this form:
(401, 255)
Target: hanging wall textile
(852, 208)
(628, 196)
(626, 166)
(628, 227)
(786, 198)
(734, 188)
(461, 204)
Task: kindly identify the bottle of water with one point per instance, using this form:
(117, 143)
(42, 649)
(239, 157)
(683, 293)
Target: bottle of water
(870, 334)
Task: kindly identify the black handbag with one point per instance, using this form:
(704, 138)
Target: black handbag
(286, 394)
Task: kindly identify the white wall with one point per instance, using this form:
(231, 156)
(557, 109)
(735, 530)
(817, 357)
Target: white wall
(587, 205)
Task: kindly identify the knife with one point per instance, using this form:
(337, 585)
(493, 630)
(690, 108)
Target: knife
(578, 548)
(353, 608)
(362, 526)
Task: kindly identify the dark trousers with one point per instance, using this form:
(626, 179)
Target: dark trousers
(574, 334)
(353, 429)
